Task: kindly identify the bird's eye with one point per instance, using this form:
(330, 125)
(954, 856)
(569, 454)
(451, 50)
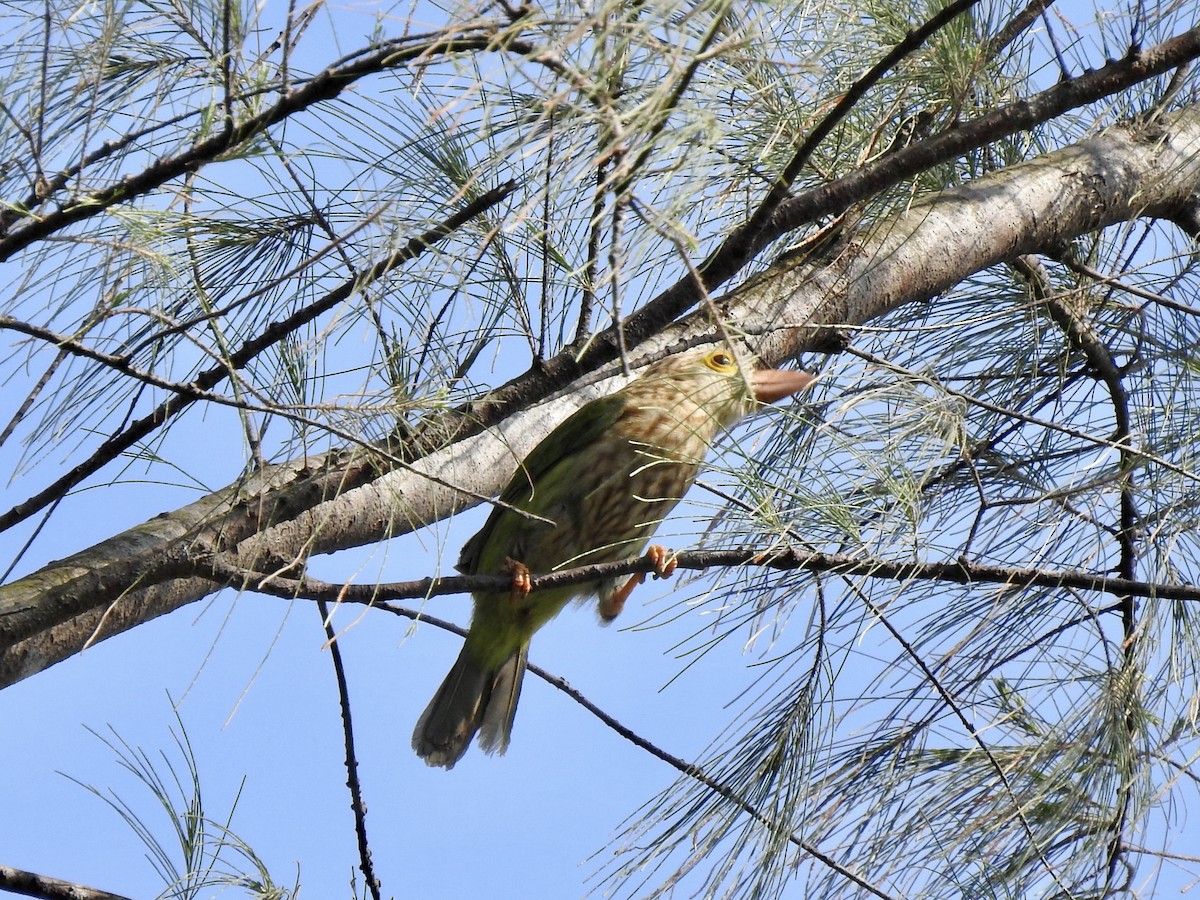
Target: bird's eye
(721, 361)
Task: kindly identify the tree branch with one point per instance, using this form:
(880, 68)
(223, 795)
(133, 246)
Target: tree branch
(19, 228)
(962, 572)
(33, 885)
(840, 194)
(357, 805)
(1121, 174)
(185, 395)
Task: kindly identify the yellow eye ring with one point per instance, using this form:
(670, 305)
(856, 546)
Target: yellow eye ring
(721, 361)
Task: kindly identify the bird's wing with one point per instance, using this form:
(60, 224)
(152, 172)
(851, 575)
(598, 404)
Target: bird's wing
(577, 432)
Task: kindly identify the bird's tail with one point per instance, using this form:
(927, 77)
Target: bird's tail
(472, 698)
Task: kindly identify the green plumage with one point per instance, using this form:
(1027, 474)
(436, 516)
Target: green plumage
(603, 479)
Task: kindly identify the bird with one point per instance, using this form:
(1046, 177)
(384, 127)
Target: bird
(591, 491)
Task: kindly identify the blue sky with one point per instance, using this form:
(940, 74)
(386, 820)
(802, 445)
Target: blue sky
(253, 684)
(256, 695)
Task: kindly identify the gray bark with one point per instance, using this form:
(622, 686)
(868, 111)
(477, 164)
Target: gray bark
(1124, 173)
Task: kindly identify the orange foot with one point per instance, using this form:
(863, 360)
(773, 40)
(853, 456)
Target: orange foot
(664, 560)
(521, 582)
(664, 564)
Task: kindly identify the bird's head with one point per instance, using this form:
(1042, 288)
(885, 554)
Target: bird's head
(715, 380)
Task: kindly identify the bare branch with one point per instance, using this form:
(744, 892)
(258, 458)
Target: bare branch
(33, 885)
(962, 572)
(357, 805)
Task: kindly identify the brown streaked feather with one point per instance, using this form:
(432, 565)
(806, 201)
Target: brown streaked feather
(595, 488)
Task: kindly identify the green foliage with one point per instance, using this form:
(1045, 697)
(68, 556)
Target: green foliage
(198, 851)
(933, 738)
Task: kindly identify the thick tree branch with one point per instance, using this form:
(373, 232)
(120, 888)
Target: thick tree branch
(1010, 118)
(780, 188)
(1122, 174)
(842, 193)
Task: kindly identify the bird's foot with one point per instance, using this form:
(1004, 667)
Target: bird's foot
(522, 584)
(664, 564)
(664, 560)
(610, 607)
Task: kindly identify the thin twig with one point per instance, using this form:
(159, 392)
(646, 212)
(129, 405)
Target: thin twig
(119, 442)
(969, 726)
(691, 770)
(357, 806)
(1081, 334)
(1110, 443)
(961, 572)
(325, 86)
(688, 769)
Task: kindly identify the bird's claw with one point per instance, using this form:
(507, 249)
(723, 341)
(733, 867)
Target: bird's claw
(610, 607)
(522, 584)
(664, 561)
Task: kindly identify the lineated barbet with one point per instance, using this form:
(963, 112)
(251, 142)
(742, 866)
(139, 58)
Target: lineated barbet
(599, 484)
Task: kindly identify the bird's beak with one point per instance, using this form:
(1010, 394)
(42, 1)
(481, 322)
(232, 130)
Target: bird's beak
(774, 384)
